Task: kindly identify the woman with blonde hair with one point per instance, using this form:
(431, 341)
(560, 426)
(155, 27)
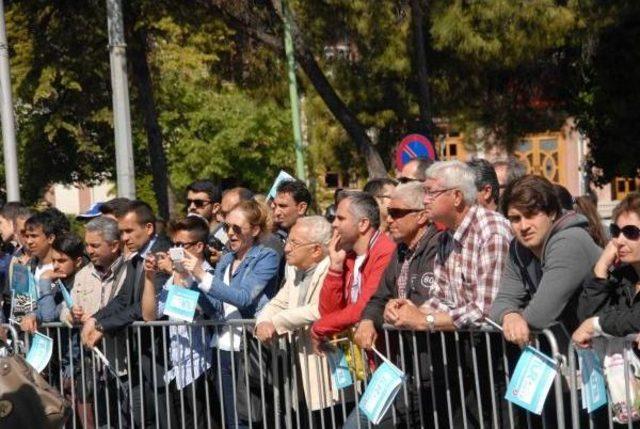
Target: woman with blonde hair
(243, 283)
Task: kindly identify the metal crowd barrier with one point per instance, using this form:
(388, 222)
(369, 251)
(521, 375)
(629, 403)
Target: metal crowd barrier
(455, 380)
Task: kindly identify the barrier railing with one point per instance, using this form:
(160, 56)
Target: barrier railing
(210, 374)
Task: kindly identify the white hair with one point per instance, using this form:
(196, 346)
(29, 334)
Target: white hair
(318, 229)
(411, 193)
(455, 174)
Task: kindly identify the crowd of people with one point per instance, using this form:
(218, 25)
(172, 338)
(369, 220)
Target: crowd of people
(442, 247)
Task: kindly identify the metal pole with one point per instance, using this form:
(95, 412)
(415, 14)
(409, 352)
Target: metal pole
(121, 113)
(293, 94)
(8, 124)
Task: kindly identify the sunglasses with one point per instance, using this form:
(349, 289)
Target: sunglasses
(231, 227)
(397, 213)
(406, 180)
(198, 203)
(184, 245)
(632, 232)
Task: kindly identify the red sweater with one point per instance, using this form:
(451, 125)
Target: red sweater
(337, 312)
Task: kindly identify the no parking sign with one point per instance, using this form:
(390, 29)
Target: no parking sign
(414, 146)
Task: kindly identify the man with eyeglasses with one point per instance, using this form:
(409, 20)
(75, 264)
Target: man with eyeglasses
(550, 257)
(409, 275)
(295, 307)
(203, 199)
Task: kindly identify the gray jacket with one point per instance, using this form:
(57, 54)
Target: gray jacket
(545, 291)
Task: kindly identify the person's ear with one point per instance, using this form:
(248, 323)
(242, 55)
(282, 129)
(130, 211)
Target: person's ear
(255, 231)
(215, 208)
(149, 228)
(302, 208)
(79, 261)
(423, 219)
(51, 238)
(199, 247)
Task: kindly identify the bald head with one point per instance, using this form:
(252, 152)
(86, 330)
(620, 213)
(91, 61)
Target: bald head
(232, 198)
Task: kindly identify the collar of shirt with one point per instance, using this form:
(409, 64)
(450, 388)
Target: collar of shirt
(302, 275)
(463, 230)
(108, 273)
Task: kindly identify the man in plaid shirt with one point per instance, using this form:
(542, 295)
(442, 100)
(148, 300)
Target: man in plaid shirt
(470, 258)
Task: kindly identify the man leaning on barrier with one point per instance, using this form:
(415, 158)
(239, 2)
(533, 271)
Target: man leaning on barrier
(409, 275)
(550, 257)
(295, 307)
(467, 271)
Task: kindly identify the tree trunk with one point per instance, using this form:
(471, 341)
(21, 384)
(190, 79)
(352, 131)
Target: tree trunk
(422, 73)
(146, 103)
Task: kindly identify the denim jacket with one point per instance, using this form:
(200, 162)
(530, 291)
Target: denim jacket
(252, 285)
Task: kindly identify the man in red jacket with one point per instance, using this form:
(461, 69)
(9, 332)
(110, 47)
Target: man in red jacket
(359, 254)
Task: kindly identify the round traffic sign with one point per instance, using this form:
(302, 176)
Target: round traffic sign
(414, 146)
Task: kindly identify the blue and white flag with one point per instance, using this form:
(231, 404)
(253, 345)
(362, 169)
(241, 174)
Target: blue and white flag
(531, 380)
(594, 390)
(282, 177)
(181, 303)
(381, 391)
(339, 368)
(40, 351)
(65, 294)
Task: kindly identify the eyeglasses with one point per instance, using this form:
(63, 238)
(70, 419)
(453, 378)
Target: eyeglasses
(295, 244)
(186, 245)
(383, 196)
(398, 213)
(198, 203)
(435, 194)
(406, 179)
(237, 230)
(632, 232)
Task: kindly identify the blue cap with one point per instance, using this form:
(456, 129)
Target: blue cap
(94, 211)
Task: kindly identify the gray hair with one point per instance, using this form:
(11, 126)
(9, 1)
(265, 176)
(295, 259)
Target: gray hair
(455, 174)
(318, 229)
(363, 206)
(411, 193)
(106, 227)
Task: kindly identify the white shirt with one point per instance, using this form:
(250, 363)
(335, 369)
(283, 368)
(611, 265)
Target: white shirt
(42, 269)
(357, 277)
(224, 340)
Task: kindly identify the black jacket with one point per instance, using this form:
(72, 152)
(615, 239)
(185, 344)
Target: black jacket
(614, 301)
(125, 307)
(419, 280)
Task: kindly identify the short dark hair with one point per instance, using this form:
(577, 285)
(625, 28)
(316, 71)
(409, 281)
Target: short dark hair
(564, 197)
(207, 186)
(60, 218)
(531, 194)
(298, 190)
(363, 205)
(10, 210)
(49, 223)
(69, 244)
(143, 211)
(485, 175)
(115, 206)
(193, 224)
(244, 194)
(376, 186)
(423, 166)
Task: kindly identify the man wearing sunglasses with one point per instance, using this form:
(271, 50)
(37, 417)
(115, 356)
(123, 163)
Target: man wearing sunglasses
(203, 199)
(550, 257)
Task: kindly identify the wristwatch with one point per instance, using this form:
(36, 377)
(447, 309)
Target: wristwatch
(431, 322)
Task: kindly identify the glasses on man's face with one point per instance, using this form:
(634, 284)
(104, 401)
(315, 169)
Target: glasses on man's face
(632, 232)
(294, 244)
(198, 203)
(433, 194)
(237, 230)
(406, 179)
(185, 244)
(398, 213)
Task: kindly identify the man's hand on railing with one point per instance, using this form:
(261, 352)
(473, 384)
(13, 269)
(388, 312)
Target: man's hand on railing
(407, 315)
(366, 334)
(265, 332)
(584, 334)
(516, 329)
(29, 323)
(77, 314)
(90, 335)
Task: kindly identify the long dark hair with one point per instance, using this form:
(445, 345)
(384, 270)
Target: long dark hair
(584, 205)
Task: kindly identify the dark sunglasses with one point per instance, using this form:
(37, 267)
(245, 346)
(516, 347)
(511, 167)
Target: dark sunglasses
(397, 213)
(185, 245)
(632, 232)
(229, 227)
(406, 180)
(198, 203)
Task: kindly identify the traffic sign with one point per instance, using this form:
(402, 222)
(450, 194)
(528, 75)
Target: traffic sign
(414, 146)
